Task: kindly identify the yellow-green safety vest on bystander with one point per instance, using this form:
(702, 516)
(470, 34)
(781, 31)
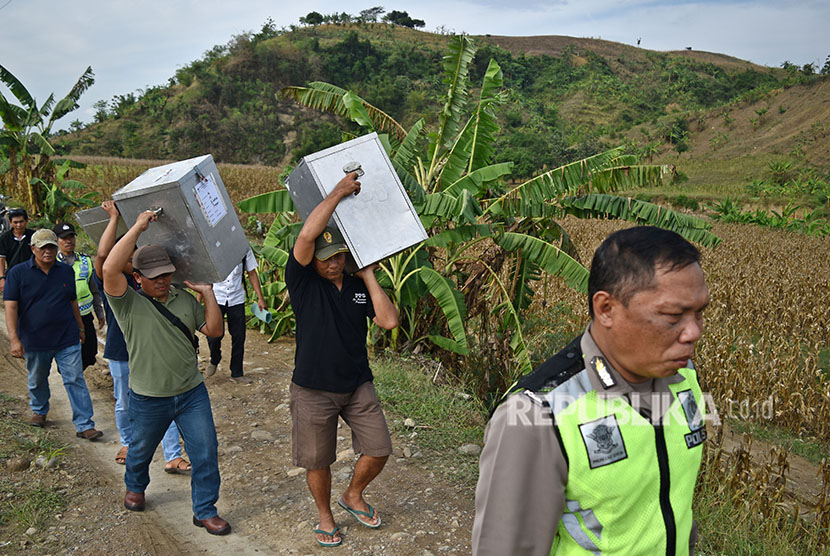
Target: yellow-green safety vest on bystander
(83, 267)
(630, 482)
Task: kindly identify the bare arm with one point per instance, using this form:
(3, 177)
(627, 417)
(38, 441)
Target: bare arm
(16, 346)
(254, 278)
(386, 315)
(107, 240)
(213, 327)
(115, 284)
(319, 217)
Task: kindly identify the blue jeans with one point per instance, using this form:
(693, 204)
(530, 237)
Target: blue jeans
(120, 371)
(150, 417)
(68, 361)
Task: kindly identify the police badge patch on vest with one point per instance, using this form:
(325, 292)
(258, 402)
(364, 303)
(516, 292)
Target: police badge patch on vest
(603, 441)
(693, 418)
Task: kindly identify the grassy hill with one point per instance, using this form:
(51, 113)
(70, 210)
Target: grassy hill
(569, 98)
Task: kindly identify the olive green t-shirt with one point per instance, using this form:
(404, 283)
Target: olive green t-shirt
(162, 360)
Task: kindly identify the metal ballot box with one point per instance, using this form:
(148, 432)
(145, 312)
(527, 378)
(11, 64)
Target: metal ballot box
(95, 220)
(197, 224)
(378, 222)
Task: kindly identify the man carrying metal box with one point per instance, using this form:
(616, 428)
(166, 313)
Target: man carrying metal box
(331, 376)
(165, 382)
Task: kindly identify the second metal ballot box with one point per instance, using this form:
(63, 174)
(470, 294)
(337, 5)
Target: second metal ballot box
(378, 222)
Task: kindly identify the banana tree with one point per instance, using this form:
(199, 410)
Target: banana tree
(24, 138)
(489, 241)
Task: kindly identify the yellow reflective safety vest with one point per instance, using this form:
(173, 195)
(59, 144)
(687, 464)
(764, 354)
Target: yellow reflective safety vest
(630, 481)
(83, 269)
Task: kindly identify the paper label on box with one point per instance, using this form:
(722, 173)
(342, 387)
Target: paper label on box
(209, 200)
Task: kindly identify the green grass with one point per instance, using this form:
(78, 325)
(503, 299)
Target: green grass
(811, 450)
(725, 526)
(713, 178)
(445, 417)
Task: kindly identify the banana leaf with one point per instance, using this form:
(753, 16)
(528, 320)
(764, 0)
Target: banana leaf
(609, 206)
(456, 71)
(526, 198)
(548, 257)
(463, 208)
(452, 304)
(273, 201)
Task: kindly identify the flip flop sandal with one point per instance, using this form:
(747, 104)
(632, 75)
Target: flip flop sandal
(182, 467)
(357, 514)
(121, 456)
(331, 533)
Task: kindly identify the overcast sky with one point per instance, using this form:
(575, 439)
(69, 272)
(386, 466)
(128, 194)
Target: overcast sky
(47, 44)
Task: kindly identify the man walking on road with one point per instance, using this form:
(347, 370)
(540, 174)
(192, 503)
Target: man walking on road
(44, 323)
(230, 295)
(89, 299)
(115, 352)
(331, 376)
(165, 382)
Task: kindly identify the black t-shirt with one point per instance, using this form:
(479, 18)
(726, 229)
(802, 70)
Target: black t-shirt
(14, 251)
(331, 329)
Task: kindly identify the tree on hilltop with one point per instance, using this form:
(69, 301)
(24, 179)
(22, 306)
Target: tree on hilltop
(372, 14)
(403, 19)
(312, 18)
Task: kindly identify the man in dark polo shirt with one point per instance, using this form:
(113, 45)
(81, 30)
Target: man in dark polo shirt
(332, 377)
(14, 244)
(44, 323)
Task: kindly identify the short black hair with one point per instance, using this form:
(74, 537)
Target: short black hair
(625, 263)
(16, 212)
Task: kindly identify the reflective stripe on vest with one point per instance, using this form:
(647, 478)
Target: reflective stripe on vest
(83, 267)
(630, 482)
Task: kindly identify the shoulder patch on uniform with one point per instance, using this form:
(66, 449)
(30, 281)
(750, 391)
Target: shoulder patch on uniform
(601, 368)
(693, 418)
(603, 441)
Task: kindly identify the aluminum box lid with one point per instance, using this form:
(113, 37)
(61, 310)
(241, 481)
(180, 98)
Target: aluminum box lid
(198, 225)
(95, 220)
(378, 222)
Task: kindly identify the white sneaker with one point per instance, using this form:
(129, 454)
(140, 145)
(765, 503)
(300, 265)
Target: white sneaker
(210, 370)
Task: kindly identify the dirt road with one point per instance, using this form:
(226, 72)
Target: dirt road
(263, 496)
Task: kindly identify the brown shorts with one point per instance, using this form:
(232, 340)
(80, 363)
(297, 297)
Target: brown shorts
(314, 416)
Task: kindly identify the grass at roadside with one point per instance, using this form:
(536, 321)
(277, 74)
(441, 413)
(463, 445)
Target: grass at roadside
(445, 417)
(812, 450)
(28, 497)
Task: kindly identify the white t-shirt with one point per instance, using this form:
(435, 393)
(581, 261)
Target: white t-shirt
(231, 291)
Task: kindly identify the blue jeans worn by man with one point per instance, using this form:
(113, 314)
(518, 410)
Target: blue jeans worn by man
(150, 417)
(120, 371)
(68, 361)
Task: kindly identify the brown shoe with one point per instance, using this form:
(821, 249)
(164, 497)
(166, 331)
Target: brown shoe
(89, 434)
(241, 379)
(215, 525)
(134, 501)
(37, 420)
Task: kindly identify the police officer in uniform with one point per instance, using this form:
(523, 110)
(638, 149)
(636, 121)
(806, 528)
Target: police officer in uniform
(597, 450)
(89, 298)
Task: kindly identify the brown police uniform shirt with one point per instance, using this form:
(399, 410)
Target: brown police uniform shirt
(520, 494)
